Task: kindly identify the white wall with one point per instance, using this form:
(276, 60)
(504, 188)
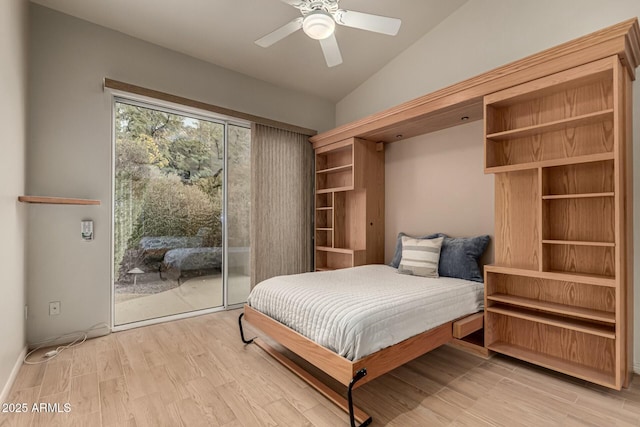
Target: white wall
(13, 120)
(480, 36)
(70, 149)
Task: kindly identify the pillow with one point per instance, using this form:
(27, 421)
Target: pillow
(459, 257)
(420, 256)
(395, 262)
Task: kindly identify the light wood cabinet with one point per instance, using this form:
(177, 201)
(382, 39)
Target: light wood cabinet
(559, 294)
(349, 205)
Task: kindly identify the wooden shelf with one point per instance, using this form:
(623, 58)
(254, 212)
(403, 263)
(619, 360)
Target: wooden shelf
(325, 208)
(550, 163)
(336, 169)
(555, 363)
(324, 229)
(57, 200)
(337, 250)
(583, 120)
(551, 307)
(577, 196)
(588, 279)
(554, 320)
(578, 243)
(333, 190)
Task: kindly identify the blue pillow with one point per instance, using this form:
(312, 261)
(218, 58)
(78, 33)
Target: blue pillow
(395, 262)
(459, 257)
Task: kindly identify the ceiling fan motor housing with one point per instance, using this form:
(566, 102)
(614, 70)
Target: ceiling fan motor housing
(318, 24)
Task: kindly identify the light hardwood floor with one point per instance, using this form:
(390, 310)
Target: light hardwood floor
(196, 372)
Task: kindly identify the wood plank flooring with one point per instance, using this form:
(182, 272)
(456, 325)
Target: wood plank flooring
(196, 372)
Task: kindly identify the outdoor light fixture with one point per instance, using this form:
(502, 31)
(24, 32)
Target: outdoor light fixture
(318, 24)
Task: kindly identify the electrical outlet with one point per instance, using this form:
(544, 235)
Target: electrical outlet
(54, 308)
(26, 312)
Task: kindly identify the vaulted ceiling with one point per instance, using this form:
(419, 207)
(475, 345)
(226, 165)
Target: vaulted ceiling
(222, 32)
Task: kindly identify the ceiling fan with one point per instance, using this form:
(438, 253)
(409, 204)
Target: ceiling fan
(318, 21)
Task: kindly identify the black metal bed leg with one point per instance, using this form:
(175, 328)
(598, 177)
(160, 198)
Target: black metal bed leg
(244, 340)
(359, 375)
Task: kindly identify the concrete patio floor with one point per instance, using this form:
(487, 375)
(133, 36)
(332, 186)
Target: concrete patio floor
(194, 294)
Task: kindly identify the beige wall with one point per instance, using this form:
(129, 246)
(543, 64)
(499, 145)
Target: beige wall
(481, 35)
(70, 149)
(435, 183)
(13, 119)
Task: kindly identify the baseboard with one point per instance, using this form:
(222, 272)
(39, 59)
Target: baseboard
(12, 377)
(636, 368)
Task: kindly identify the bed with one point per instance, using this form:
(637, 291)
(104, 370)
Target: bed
(358, 323)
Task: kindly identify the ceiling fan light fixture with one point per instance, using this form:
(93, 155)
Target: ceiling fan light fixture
(318, 25)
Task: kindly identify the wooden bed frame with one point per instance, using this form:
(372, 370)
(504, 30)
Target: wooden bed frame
(352, 374)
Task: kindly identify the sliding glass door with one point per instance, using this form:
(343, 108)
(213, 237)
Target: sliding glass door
(170, 203)
(238, 207)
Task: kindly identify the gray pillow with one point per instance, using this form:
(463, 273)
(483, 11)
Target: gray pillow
(395, 262)
(459, 257)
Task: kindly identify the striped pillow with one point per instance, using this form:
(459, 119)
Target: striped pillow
(420, 256)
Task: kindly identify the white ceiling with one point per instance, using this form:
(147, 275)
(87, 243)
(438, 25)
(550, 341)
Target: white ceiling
(222, 32)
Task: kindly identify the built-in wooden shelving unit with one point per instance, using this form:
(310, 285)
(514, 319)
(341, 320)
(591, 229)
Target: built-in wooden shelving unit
(57, 200)
(557, 138)
(349, 204)
(558, 294)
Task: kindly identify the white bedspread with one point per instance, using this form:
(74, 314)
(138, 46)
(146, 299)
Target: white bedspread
(358, 311)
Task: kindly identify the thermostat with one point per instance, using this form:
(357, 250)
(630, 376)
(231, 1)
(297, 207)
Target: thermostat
(87, 229)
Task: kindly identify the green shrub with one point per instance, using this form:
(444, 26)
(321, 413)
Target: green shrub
(172, 208)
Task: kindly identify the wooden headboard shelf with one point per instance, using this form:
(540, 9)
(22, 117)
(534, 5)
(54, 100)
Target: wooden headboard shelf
(446, 107)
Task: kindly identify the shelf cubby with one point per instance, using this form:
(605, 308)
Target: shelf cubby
(334, 169)
(581, 179)
(563, 124)
(549, 276)
(328, 258)
(553, 307)
(324, 218)
(541, 317)
(553, 119)
(586, 355)
(579, 258)
(597, 376)
(559, 145)
(324, 237)
(562, 99)
(324, 201)
(589, 219)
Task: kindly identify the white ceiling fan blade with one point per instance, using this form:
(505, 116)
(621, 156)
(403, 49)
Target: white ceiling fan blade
(280, 33)
(331, 51)
(367, 21)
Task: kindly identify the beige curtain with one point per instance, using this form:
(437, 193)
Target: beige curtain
(281, 203)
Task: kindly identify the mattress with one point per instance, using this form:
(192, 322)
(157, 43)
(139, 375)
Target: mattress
(358, 311)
